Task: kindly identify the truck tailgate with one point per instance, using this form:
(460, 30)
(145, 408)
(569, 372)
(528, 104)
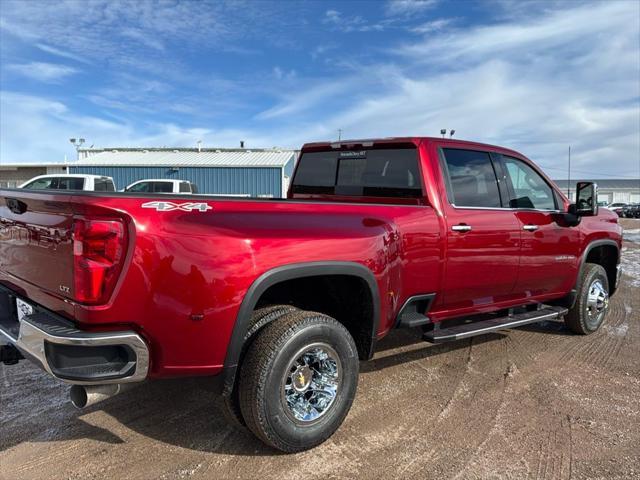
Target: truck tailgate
(35, 239)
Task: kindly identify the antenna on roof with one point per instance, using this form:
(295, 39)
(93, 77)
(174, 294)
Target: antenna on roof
(451, 132)
(199, 146)
(443, 132)
(241, 143)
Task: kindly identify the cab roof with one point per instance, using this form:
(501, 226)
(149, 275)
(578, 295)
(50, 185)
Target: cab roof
(369, 142)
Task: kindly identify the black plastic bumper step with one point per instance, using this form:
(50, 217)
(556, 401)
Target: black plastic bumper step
(466, 330)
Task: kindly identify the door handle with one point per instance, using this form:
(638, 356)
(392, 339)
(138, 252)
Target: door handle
(530, 228)
(461, 228)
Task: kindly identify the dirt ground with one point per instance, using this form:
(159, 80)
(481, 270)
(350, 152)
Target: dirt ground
(535, 402)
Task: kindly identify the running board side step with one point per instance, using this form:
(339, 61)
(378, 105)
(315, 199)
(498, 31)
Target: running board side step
(466, 330)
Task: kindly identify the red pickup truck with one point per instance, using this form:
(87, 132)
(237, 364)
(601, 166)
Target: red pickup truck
(278, 300)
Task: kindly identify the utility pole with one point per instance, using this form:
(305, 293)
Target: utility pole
(569, 176)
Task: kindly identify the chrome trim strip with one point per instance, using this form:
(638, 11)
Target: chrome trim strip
(31, 341)
(458, 207)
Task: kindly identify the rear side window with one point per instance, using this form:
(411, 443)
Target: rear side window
(70, 183)
(43, 184)
(105, 185)
(184, 187)
(139, 187)
(528, 187)
(375, 173)
(162, 187)
(471, 179)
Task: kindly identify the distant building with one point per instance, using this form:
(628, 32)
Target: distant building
(249, 172)
(14, 174)
(263, 173)
(610, 191)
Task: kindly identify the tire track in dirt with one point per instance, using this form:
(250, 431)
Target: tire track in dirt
(602, 347)
(474, 409)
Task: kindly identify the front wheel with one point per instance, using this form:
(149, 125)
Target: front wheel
(298, 380)
(592, 303)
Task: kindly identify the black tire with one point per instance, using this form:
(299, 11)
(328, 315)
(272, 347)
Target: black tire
(261, 317)
(266, 376)
(585, 318)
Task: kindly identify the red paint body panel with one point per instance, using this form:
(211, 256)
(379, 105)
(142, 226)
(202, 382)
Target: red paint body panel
(184, 263)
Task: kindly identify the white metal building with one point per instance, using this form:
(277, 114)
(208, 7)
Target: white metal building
(610, 191)
(14, 174)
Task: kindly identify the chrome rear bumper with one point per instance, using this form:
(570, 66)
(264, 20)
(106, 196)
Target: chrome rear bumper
(71, 355)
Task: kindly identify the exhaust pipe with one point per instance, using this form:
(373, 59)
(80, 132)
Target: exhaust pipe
(86, 395)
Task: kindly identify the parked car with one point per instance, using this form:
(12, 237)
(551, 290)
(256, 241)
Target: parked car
(162, 186)
(616, 208)
(279, 300)
(631, 211)
(94, 183)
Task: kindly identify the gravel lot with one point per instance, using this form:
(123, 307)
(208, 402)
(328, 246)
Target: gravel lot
(536, 402)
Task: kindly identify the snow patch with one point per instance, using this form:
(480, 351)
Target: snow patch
(631, 265)
(632, 235)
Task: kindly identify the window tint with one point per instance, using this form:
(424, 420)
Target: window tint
(139, 187)
(43, 184)
(162, 187)
(529, 188)
(471, 179)
(103, 185)
(380, 172)
(316, 173)
(70, 183)
(184, 187)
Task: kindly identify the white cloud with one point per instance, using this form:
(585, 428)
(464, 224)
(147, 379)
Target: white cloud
(354, 23)
(569, 74)
(43, 72)
(409, 7)
(60, 53)
(432, 26)
(40, 128)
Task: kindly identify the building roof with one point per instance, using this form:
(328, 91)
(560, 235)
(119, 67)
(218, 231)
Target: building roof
(185, 157)
(15, 165)
(609, 184)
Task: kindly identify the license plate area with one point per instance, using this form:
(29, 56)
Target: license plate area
(23, 308)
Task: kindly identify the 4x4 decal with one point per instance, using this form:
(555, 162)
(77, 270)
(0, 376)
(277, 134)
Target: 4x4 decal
(185, 207)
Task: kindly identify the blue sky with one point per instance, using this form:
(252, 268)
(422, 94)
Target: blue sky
(534, 76)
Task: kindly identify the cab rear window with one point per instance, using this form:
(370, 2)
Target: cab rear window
(374, 173)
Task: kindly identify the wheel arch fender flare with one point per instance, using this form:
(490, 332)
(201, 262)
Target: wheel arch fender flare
(281, 274)
(592, 245)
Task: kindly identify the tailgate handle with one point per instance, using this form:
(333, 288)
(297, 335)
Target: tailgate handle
(16, 206)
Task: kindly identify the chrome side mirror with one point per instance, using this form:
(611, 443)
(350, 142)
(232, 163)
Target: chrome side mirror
(586, 199)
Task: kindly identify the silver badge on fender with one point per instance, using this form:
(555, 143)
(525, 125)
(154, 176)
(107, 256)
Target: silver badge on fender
(185, 207)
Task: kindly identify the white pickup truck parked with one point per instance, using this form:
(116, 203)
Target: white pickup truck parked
(91, 183)
(162, 185)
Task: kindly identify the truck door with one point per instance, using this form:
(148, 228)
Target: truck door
(549, 256)
(483, 236)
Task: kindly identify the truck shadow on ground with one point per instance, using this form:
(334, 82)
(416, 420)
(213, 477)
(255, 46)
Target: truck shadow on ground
(185, 414)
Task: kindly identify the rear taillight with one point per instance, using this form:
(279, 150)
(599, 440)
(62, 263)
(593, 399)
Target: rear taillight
(98, 252)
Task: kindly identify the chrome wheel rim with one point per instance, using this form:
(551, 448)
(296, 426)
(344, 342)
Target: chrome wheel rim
(597, 303)
(311, 383)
